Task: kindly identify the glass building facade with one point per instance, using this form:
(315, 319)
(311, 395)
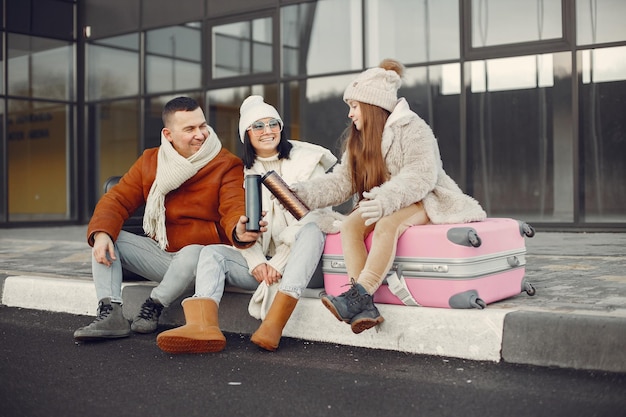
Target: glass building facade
(527, 98)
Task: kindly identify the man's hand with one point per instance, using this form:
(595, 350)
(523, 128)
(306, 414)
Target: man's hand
(103, 250)
(245, 236)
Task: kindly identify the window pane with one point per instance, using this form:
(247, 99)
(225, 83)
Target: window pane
(40, 68)
(322, 37)
(242, 48)
(603, 129)
(49, 18)
(173, 60)
(111, 72)
(434, 94)
(37, 161)
(3, 160)
(114, 128)
(431, 26)
(600, 21)
(317, 111)
(1, 67)
(500, 22)
(520, 137)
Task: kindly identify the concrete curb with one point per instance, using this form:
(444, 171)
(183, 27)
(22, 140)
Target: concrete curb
(593, 342)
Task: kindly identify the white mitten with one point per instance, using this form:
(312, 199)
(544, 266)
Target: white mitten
(371, 210)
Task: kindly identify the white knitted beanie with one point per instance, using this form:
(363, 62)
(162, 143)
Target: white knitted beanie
(378, 86)
(252, 109)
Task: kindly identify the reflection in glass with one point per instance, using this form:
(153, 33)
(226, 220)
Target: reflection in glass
(242, 48)
(130, 42)
(3, 160)
(1, 66)
(431, 25)
(39, 67)
(37, 143)
(501, 22)
(603, 129)
(599, 21)
(520, 138)
(114, 128)
(111, 71)
(173, 59)
(516, 73)
(316, 110)
(433, 93)
(322, 37)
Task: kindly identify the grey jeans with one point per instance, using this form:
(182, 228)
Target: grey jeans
(174, 271)
(221, 265)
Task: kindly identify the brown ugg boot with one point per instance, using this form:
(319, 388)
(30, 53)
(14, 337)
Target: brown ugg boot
(269, 332)
(202, 332)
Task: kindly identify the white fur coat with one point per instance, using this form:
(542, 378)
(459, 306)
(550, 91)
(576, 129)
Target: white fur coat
(416, 171)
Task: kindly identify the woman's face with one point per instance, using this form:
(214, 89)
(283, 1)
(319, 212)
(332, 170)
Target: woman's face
(264, 136)
(355, 114)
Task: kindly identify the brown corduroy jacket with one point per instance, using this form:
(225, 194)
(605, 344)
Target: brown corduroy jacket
(203, 210)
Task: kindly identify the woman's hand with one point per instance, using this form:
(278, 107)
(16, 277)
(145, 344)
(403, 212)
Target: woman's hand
(265, 272)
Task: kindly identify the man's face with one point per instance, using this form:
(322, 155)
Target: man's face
(187, 131)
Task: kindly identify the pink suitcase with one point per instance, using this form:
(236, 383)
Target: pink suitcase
(450, 266)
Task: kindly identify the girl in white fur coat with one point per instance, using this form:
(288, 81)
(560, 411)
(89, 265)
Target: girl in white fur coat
(392, 165)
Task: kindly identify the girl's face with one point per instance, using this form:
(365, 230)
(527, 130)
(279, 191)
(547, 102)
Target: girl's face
(355, 114)
(264, 136)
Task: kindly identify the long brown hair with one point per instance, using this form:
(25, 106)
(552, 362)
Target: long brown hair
(365, 158)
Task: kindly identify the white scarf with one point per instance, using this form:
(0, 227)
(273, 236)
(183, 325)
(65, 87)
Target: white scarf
(173, 170)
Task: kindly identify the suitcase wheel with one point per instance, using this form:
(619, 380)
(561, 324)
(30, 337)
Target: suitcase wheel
(528, 287)
(527, 229)
(473, 238)
(478, 303)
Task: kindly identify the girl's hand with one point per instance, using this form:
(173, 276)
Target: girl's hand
(371, 209)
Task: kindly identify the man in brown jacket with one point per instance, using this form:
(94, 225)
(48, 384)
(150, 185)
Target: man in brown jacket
(193, 192)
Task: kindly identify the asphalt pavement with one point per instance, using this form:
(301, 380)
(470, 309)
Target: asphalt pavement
(45, 374)
(576, 319)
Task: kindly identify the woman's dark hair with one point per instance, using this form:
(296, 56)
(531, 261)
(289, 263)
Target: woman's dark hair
(249, 154)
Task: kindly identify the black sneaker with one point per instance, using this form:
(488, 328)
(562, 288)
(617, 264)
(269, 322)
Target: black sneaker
(148, 317)
(109, 324)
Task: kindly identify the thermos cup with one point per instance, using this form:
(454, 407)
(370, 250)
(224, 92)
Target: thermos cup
(253, 202)
(287, 198)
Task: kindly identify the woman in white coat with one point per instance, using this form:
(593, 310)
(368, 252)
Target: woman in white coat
(289, 251)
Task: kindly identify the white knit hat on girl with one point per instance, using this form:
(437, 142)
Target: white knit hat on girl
(378, 86)
(252, 109)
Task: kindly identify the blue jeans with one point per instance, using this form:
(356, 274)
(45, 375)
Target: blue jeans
(174, 271)
(221, 265)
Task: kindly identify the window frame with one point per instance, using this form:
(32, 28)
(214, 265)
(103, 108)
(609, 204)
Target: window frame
(211, 82)
(564, 43)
